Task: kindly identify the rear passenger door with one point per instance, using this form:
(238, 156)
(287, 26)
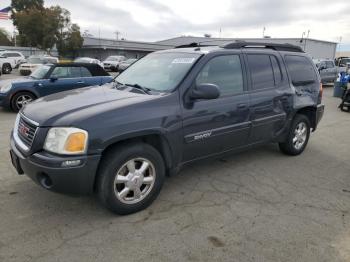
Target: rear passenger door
(331, 71)
(270, 96)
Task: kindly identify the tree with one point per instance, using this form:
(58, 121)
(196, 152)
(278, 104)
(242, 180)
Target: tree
(22, 5)
(4, 37)
(70, 42)
(43, 27)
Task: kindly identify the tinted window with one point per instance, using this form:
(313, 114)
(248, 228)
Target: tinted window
(300, 68)
(329, 64)
(13, 55)
(225, 72)
(261, 71)
(85, 72)
(276, 70)
(66, 72)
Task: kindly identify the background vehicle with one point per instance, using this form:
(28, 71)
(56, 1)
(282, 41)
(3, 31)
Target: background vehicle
(169, 109)
(112, 62)
(125, 64)
(33, 62)
(5, 65)
(342, 63)
(15, 58)
(327, 69)
(48, 79)
(88, 60)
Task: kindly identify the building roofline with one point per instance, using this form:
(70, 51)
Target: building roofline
(125, 41)
(248, 39)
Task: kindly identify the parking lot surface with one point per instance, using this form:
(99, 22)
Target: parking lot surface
(258, 205)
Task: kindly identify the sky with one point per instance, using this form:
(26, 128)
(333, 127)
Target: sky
(153, 20)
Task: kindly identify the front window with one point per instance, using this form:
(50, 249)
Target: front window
(66, 72)
(160, 72)
(40, 72)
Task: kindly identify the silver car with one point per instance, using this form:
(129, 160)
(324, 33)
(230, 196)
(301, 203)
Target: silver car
(327, 69)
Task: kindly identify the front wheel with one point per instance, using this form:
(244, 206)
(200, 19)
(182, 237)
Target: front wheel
(21, 99)
(298, 136)
(130, 178)
(6, 68)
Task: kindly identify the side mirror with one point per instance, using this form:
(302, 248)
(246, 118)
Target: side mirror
(53, 79)
(205, 91)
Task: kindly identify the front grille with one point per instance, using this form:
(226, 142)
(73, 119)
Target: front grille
(26, 131)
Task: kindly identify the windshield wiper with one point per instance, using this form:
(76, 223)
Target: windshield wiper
(137, 86)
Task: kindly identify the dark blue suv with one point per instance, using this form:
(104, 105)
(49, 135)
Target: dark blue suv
(168, 109)
(49, 79)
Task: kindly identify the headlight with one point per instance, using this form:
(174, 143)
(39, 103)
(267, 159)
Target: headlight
(66, 140)
(5, 88)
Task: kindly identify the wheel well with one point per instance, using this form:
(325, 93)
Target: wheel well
(310, 113)
(6, 64)
(155, 140)
(22, 91)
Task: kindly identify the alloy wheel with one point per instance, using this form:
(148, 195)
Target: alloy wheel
(134, 180)
(300, 135)
(23, 100)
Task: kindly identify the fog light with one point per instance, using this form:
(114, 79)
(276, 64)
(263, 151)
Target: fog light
(71, 163)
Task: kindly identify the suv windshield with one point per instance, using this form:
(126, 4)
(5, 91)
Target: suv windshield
(41, 72)
(159, 71)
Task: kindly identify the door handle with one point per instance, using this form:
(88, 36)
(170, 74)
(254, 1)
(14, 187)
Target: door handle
(242, 106)
(80, 82)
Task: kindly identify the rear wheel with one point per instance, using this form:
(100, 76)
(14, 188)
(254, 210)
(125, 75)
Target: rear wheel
(21, 99)
(298, 136)
(6, 68)
(130, 178)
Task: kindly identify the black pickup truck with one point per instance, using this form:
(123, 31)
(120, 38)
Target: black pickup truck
(168, 109)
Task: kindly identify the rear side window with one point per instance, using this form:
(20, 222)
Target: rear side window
(300, 69)
(85, 72)
(276, 70)
(329, 64)
(261, 71)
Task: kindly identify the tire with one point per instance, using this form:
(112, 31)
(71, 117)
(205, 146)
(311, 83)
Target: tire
(116, 164)
(20, 99)
(6, 68)
(296, 141)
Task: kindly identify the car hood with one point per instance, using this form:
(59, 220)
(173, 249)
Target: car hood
(16, 81)
(27, 64)
(71, 107)
(111, 62)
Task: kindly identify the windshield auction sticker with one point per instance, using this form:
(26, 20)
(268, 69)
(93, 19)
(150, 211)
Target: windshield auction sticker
(184, 60)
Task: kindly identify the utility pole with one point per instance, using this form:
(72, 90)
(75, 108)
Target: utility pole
(307, 37)
(117, 33)
(264, 29)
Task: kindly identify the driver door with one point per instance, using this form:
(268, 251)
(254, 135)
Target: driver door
(218, 125)
(62, 78)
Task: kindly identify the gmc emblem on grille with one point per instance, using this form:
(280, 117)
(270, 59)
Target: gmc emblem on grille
(23, 130)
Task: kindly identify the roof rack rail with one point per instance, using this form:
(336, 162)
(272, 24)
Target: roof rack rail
(277, 47)
(194, 44)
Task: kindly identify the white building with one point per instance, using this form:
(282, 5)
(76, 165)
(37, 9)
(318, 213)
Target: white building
(101, 47)
(317, 49)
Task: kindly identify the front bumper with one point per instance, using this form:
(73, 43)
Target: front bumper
(46, 170)
(25, 72)
(4, 100)
(319, 113)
